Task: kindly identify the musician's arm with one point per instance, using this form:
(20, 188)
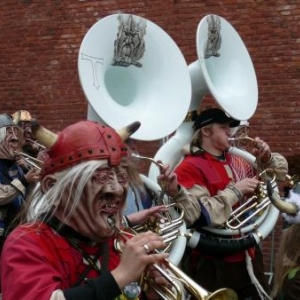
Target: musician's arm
(197, 203)
(279, 164)
(100, 288)
(8, 192)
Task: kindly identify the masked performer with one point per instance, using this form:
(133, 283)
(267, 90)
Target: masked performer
(63, 247)
(31, 146)
(14, 184)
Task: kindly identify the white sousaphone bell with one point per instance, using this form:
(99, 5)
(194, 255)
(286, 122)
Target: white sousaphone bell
(225, 70)
(132, 70)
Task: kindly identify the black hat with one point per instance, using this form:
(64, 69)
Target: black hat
(214, 115)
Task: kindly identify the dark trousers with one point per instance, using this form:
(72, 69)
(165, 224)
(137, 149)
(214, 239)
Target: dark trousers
(214, 273)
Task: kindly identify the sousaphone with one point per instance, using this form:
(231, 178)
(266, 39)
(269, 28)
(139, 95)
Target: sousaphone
(130, 69)
(224, 69)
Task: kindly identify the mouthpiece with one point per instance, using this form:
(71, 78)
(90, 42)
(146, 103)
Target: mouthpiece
(111, 222)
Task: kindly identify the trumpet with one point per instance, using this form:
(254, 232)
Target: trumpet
(31, 161)
(174, 276)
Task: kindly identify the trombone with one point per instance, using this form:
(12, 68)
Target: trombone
(175, 277)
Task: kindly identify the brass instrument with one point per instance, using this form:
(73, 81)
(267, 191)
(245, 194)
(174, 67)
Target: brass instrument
(167, 227)
(261, 199)
(282, 206)
(169, 223)
(149, 159)
(38, 145)
(243, 142)
(258, 203)
(291, 180)
(255, 204)
(175, 277)
(31, 161)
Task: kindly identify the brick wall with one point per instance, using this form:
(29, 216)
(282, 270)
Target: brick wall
(40, 42)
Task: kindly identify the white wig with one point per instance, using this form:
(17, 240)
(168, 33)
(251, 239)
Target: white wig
(71, 181)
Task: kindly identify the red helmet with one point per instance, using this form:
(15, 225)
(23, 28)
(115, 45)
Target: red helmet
(85, 140)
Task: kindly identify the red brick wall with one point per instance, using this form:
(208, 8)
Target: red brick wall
(40, 42)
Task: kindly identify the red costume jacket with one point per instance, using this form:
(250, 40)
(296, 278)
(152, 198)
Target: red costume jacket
(41, 261)
(208, 171)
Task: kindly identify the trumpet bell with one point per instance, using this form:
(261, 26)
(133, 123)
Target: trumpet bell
(223, 294)
(129, 67)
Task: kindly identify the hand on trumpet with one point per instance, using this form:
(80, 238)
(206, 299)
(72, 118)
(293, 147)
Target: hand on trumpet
(261, 150)
(22, 163)
(159, 280)
(143, 215)
(138, 253)
(168, 180)
(33, 175)
(247, 185)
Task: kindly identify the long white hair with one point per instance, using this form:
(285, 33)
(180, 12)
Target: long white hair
(71, 181)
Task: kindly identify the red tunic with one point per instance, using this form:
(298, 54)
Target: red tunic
(41, 261)
(208, 171)
(205, 170)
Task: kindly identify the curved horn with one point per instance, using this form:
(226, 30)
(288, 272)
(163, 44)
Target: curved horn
(44, 136)
(284, 207)
(127, 131)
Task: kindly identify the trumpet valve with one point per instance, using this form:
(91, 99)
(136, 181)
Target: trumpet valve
(260, 191)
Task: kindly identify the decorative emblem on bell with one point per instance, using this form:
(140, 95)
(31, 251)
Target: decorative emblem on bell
(129, 46)
(214, 39)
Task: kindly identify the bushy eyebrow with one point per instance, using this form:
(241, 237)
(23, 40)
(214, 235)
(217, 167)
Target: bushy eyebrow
(114, 169)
